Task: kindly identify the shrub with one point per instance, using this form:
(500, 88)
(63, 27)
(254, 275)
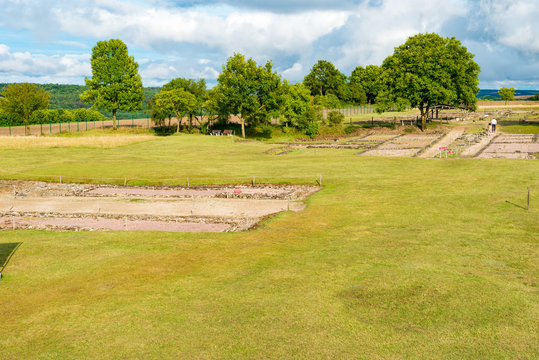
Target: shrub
(351, 129)
(312, 130)
(88, 115)
(9, 120)
(335, 118)
(262, 131)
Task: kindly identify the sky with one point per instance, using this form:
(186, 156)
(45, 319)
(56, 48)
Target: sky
(50, 41)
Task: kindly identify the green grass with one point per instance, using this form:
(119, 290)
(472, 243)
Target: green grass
(394, 259)
(521, 129)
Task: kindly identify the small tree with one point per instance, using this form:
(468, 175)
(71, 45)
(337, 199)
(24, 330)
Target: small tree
(21, 100)
(299, 111)
(335, 118)
(115, 83)
(178, 101)
(195, 87)
(252, 92)
(507, 94)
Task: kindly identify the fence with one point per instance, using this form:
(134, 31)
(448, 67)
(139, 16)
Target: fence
(55, 128)
(351, 110)
(75, 126)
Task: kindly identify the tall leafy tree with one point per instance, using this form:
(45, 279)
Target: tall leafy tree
(195, 87)
(115, 83)
(325, 79)
(21, 100)
(507, 94)
(252, 92)
(428, 70)
(368, 79)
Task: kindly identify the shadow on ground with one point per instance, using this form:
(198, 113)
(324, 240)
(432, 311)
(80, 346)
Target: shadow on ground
(6, 252)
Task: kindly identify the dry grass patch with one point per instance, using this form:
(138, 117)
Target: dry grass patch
(32, 142)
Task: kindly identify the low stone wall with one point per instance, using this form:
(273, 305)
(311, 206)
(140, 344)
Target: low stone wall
(496, 103)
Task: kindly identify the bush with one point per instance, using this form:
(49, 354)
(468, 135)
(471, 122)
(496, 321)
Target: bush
(312, 130)
(335, 118)
(9, 120)
(261, 131)
(351, 129)
(88, 115)
(62, 115)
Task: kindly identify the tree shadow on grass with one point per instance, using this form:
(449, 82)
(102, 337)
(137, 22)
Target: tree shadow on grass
(6, 252)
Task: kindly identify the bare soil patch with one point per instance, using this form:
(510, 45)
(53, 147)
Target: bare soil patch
(69, 207)
(512, 146)
(405, 145)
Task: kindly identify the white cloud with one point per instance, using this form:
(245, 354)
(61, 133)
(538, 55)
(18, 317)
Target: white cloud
(245, 31)
(513, 23)
(25, 65)
(373, 36)
(194, 39)
(161, 71)
(294, 72)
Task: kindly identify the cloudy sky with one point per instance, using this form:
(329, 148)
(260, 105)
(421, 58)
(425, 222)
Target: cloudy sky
(50, 41)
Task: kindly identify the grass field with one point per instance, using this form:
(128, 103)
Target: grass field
(396, 258)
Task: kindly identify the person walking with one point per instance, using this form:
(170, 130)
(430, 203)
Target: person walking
(494, 122)
(489, 129)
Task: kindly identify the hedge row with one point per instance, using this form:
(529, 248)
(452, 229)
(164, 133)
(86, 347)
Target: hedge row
(54, 116)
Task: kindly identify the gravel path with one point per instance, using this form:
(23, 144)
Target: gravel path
(475, 149)
(434, 150)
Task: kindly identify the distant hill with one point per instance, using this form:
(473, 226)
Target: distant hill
(492, 94)
(67, 97)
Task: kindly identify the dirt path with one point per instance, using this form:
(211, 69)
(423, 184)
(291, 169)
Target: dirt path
(445, 141)
(475, 149)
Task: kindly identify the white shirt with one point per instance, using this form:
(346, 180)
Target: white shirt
(494, 121)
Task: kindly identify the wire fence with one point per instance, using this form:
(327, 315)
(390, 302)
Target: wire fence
(351, 110)
(146, 123)
(75, 126)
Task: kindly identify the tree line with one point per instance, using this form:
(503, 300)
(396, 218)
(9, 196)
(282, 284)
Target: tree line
(426, 70)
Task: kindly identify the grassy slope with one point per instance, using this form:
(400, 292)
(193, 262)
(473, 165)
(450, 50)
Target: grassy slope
(395, 258)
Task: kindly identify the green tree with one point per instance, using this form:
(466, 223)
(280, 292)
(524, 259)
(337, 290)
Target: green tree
(428, 70)
(252, 92)
(296, 104)
(177, 101)
(195, 87)
(216, 106)
(21, 100)
(507, 94)
(115, 83)
(368, 79)
(328, 101)
(355, 93)
(325, 79)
